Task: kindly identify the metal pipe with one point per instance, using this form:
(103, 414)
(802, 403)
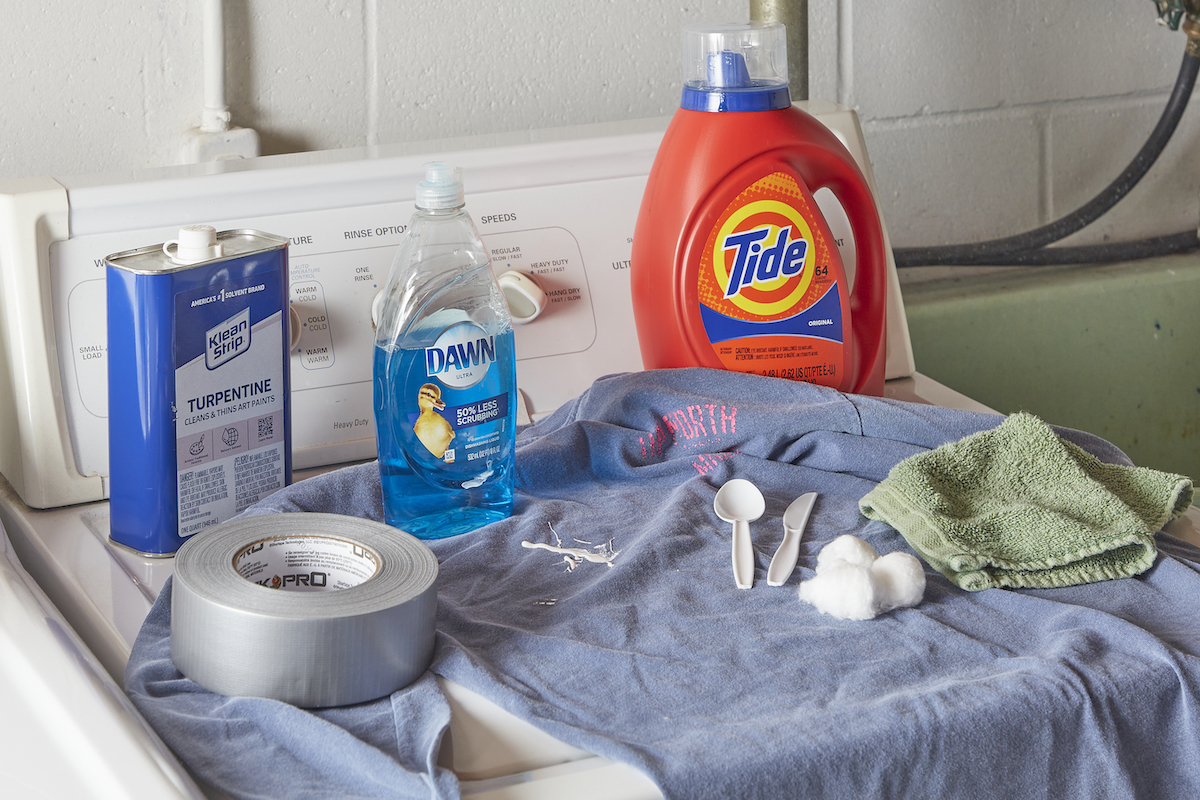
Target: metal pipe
(1191, 26)
(215, 116)
(794, 16)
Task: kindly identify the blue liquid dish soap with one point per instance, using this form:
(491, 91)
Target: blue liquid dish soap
(445, 373)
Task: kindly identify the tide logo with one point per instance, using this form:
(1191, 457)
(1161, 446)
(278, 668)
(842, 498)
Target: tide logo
(754, 264)
(760, 257)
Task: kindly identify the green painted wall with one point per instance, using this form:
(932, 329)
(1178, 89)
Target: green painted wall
(1113, 350)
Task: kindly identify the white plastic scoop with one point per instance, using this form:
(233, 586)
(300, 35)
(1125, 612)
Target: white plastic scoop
(739, 501)
(794, 520)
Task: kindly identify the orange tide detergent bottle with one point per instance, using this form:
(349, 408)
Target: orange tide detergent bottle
(733, 265)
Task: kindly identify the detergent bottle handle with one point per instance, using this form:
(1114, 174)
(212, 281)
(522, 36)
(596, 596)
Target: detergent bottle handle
(821, 166)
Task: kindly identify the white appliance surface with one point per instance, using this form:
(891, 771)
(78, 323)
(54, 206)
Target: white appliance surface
(559, 206)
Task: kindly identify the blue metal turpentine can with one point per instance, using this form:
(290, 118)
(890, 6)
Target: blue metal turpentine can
(199, 396)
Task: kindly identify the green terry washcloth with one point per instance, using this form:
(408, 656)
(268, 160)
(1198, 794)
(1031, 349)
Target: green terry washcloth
(1016, 506)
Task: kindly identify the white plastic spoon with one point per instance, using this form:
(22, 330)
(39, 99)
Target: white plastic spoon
(739, 501)
(794, 520)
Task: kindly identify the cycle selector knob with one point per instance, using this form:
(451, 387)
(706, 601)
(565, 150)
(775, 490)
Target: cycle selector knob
(294, 329)
(524, 295)
(376, 310)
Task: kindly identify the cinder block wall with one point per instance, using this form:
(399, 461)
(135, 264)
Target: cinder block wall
(986, 119)
(982, 118)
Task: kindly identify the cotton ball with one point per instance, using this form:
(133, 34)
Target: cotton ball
(899, 580)
(853, 582)
(846, 548)
(842, 590)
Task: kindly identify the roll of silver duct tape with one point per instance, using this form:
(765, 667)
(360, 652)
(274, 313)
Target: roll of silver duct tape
(312, 609)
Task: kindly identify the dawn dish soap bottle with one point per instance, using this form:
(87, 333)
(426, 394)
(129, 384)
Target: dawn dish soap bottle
(445, 373)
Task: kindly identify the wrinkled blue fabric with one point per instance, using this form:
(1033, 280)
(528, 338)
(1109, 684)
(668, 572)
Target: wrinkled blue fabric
(254, 748)
(660, 662)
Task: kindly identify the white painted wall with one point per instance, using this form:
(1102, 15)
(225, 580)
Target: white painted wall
(982, 118)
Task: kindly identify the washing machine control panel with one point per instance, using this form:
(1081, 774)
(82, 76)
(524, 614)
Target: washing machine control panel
(571, 241)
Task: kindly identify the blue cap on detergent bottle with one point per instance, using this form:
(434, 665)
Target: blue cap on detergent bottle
(735, 67)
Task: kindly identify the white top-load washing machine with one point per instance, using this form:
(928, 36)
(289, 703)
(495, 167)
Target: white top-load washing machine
(556, 206)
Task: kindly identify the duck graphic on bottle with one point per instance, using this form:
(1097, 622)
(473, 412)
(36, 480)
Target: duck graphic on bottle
(431, 428)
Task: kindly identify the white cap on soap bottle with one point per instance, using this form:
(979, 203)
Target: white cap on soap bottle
(442, 187)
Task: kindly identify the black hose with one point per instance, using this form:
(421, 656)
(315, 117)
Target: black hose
(1108, 253)
(995, 251)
